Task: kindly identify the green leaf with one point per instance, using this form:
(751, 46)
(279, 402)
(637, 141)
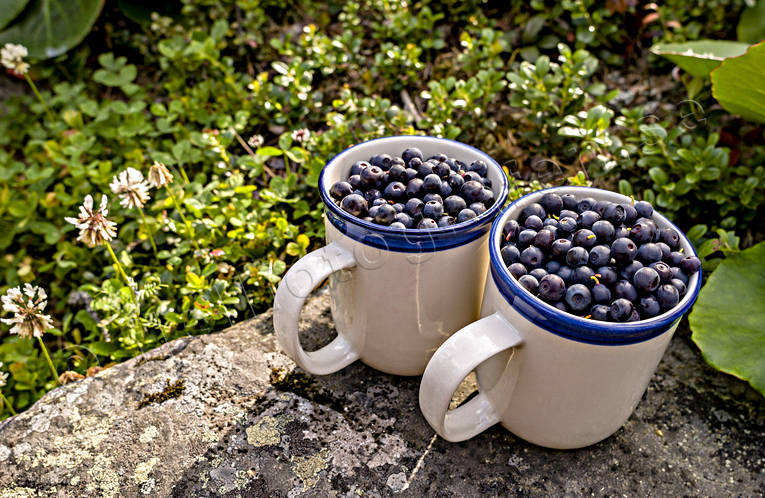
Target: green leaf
(49, 28)
(11, 8)
(739, 84)
(751, 24)
(727, 320)
(699, 57)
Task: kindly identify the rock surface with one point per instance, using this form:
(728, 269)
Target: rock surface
(237, 418)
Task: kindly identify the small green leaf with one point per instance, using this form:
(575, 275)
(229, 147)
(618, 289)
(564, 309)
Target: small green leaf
(727, 320)
(11, 8)
(699, 57)
(269, 151)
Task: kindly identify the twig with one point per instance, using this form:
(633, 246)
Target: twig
(409, 105)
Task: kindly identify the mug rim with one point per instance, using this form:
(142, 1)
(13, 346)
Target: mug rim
(575, 327)
(414, 239)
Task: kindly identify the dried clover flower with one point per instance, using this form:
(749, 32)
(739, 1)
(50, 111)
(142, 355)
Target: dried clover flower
(12, 56)
(94, 227)
(28, 318)
(159, 175)
(131, 188)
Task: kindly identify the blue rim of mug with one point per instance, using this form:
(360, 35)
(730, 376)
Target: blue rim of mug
(571, 326)
(413, 240)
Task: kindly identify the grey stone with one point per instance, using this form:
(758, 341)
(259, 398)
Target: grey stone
(247, 422)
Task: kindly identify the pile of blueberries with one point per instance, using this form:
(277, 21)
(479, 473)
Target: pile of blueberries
(412, 192)
(597, 259)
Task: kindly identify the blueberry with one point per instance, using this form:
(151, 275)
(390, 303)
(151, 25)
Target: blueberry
(355, 182)
(405, 220)
(604, 231)
(446, 221)
(338, 190)
(433, 209)
(433, 197)
(385, 214)
(373, 211)
(410, 153)
(550, 222)
(680, 286)
(552, 203)
(358, 166)
(487, 197)
(533, 209)
(669, 237)
(635, 316)
(486, 182)
(371, 176)
(529, 282)
(534, 222)
(577, 256)
(588, 218)
(665, 250)
(532, 257)
(649, 253)
(560, 305)
(355, 205)
(668, 296)
(544, 239)
(442, 170)
(478, 208)
(649, 306)
(578, 297)
(646, 280)
(560, 247)
(510, 254)
(628, 270)
(641, 233)
(601, 206)
(454, 204)
(570, 214)
(455, 164)
(517, 269)
(397, 224)
(446, 189)
(398, 207)
(690, 265)
(622, 232)
(372, 194)
(615, 213)
(414, 187)
(397, 172)
(601, 294)
(379, 200)
(583, 275)
(382, 161)
(608, 275)
(414, 163)
(551, 288)
(538, 273)
(456, 182)
(510, 230)
(623, 250)
(621, 310)
(630, 215)
(567, 224)
(552, 266)
(665, 274)
(472, 176)
(409, 175)
(566, 273)
(624, 289)
(585, 238)
(586, 204)
(431, 183)
(427, 223)
(600, 255)
(439, 158)
(678, 274)
(643, 209)
(599, 312)
(395, 191)
(472, 191)
(425, 169)
(479, 167)
(569, 201)
(468, 214)
(413, 207)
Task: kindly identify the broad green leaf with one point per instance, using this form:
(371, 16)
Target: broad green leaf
(727, 320)
(751, 24)
(49, 28)
(739, 84)
(699, 57)
(11, 8)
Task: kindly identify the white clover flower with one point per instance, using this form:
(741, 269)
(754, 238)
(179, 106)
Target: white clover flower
(159, 175)
(28, 318)
(3, 376)
(94, 227)
(255, 141)
(12, 57)
(131, 188)
(301, 136)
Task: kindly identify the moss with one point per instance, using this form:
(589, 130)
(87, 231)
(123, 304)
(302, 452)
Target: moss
(171, 390)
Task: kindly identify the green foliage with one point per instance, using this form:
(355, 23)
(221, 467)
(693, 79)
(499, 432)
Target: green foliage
(700, 57)
(738, 82)
(727, 319)
(751, 26)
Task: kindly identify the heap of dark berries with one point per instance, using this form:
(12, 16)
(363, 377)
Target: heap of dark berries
(409, 191)
(597, 259)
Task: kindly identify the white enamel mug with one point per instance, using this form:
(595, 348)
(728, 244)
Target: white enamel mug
(551, 378)
(396, 294)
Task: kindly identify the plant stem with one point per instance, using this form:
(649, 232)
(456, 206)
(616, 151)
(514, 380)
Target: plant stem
(151, 235)
(47, 357)
(183, 173)
(39, 97)
(8, 404)
(127, 281)
(183, 218)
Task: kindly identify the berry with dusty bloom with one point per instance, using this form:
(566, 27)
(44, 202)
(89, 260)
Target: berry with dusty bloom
(131, 188)
(255, 141)
(159, 175)
(301, 136)
(3, 376)
(94, 227)
(12, 57)
(28, 318)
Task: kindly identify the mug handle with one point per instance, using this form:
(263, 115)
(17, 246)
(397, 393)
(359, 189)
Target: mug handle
(301, 279)
(459, 355)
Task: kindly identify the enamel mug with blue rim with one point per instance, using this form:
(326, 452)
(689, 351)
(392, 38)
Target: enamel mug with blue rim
(549, 377)
(396, 294)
